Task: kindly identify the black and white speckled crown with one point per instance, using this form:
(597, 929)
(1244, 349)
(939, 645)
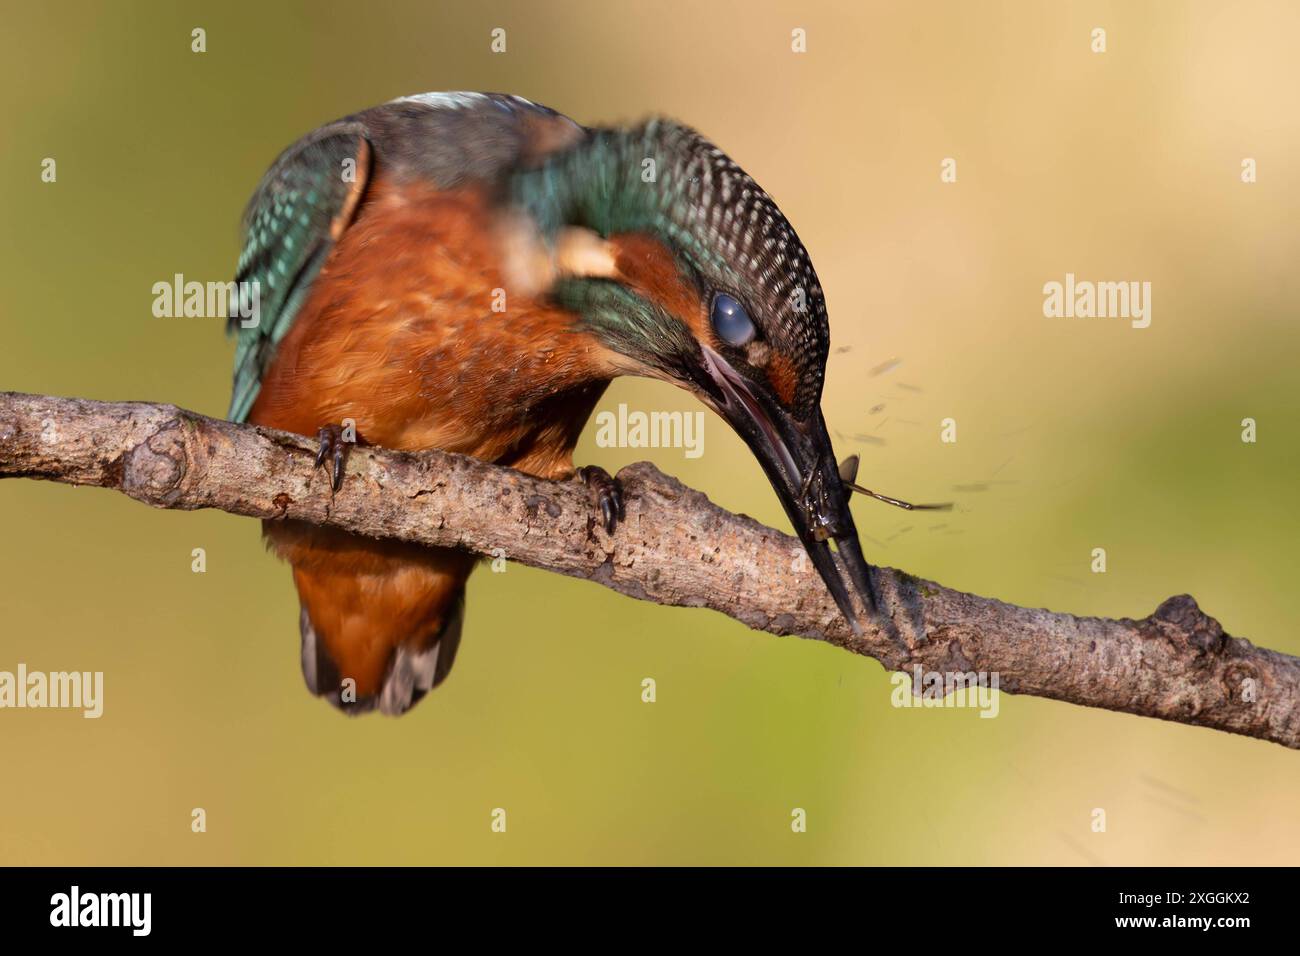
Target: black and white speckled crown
(713, 213)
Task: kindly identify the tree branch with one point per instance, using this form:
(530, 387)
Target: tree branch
(675, 547)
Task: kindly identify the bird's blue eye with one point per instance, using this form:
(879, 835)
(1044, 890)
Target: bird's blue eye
(731, 322)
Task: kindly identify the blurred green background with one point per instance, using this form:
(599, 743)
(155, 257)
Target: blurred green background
(1072, 434)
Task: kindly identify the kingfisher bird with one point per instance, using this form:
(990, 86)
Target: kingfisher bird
(468, 272)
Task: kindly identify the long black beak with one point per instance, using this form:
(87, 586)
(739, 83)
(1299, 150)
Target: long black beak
(800, 463)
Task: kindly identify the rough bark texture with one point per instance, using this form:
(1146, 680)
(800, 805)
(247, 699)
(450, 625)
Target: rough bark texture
(675, 547)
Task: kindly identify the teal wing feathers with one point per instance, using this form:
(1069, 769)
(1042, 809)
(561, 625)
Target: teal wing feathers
(299, 210)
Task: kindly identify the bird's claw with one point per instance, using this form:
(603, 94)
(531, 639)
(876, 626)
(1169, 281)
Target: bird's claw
(334, 449)
(609, 494)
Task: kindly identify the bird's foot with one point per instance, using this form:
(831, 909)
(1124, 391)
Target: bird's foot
(609, 494)
(335, 445)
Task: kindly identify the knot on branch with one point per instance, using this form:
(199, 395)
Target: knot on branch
(154, 470)
(1242, 683)
(644, 477)
(1181, 621)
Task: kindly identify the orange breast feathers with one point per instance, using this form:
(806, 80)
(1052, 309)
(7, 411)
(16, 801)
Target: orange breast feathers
(412, 330)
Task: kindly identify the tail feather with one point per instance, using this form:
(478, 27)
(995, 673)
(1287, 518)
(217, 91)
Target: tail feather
(413, 673)
(318, 668)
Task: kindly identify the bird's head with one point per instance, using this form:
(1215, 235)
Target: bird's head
(685, 270)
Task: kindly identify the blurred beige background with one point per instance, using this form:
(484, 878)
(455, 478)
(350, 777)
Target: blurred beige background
(1072, 434)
